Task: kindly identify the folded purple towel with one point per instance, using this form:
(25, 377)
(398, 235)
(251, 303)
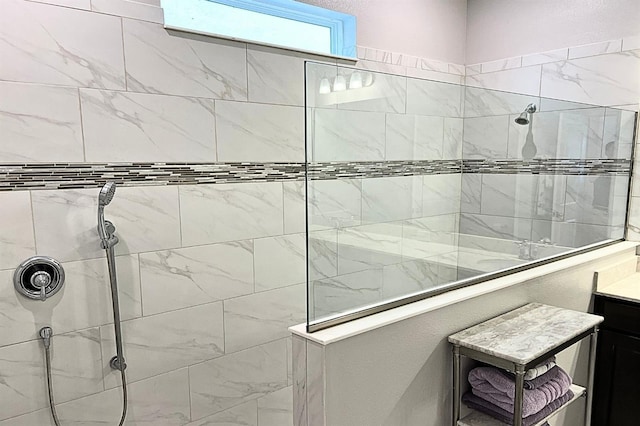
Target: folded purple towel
(476, 403)
(493, 386)
(538, 381)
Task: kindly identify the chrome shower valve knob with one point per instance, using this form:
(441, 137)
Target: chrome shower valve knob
(39, 277)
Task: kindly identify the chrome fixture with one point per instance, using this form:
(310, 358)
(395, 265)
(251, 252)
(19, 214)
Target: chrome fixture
(46, 334)
(527, 250)
(524, 118)
(39, 277)
(105, 228)
(108, 240)
(529, 149)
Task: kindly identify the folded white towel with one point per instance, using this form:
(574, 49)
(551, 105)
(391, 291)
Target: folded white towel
(540, 370)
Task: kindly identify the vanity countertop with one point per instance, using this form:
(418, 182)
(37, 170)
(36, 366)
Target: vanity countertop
(627, 289)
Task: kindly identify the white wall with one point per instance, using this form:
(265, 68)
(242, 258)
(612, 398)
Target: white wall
(503, 28)
(432, 29)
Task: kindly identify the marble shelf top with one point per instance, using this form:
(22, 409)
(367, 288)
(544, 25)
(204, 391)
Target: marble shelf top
(526, 333)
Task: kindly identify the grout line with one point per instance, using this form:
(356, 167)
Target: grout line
(124, 56)
(140, 285)
(33, 222)
(80, 111)
(189, 391)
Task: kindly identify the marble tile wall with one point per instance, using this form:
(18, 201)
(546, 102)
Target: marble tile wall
(211, 275)
(569, 210)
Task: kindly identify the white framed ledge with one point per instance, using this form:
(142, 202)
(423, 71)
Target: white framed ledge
(372, 322)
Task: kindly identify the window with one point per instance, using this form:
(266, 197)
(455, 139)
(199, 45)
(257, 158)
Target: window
(282, 23)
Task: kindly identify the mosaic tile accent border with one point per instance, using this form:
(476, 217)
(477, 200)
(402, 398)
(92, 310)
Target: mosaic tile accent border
(92, 175)
(556, 166)
(17, 177)
(373, 169)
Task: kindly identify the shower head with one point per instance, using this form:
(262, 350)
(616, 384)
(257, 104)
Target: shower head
(106, 194)
(523, 119)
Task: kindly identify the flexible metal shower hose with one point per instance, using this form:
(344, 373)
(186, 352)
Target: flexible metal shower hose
(47, 351)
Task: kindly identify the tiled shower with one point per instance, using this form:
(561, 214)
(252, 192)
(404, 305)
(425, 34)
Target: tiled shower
(211, 275)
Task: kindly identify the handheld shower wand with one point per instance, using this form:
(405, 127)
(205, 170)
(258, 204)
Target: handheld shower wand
(106, 229)
(108, 240)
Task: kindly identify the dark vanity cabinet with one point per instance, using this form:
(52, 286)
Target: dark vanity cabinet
(617, 380)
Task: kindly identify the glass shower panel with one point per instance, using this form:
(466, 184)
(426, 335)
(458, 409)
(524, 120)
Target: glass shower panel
(414, 186)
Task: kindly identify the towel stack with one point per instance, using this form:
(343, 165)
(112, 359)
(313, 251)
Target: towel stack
(546, 388)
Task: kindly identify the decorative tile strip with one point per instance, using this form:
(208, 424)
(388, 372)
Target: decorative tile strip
(91, 175)
(16, 177)
(556, 166)
(373, 169)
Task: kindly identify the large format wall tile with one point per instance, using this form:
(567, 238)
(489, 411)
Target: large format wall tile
(441, 194)
(322, 256)
(39, 123)
(574, 235)
(339, 135)
(76, 4)
(479, 102)
(345, 292)
(57, 45)
(596, 200)
(180, 278)
(275, 76)
(470, 194)
(509, 195)
(217, 213)
(236, 378)
(160, 61)
(146, 218)
(433, 98)
(280, 261)
(603, 80)
(276, 408)
(161, 400)
(520, 80)
(334, 203)
(369, 247)
(429, 236)
(165, 342)
(254, 132)
(241, 415)
(452, 142)
(16, 238)
(391, 198)
(83, 302)
(130, 9)
(486, 137)
(122, 126)
(510, 228)
(387, 92)
(294, 207)
(414, 137)
(402, 279)
(76, 371)
(262, 317)
(562, 134)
